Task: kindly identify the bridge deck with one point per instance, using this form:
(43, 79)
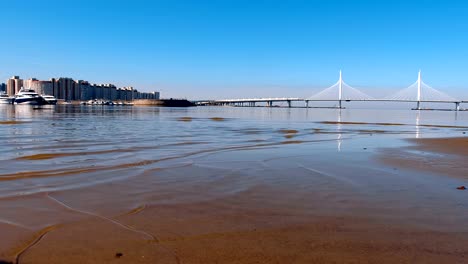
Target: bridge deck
(264, 100)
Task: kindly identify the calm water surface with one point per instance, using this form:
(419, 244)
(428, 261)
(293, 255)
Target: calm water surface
(171, 155)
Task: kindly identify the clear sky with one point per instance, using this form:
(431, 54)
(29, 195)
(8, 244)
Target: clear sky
(238, 48)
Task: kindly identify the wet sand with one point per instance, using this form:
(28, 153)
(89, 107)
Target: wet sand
(444, 156)
(261, 224)
(457, 146)
(232, 231)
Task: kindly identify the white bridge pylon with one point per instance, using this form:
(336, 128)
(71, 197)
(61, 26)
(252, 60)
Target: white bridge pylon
(340, 91)
(421, 92)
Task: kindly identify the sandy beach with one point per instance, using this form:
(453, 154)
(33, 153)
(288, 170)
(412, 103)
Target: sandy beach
(191, 234)
(244, 228)
(208, 233)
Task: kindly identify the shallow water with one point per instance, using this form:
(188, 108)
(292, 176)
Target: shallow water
(110, 160)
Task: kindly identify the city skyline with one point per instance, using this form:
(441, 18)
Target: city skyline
(68, 89)
(203, 49)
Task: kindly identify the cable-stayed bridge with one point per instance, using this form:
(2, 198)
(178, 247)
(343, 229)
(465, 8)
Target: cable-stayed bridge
(340, 92)
(419, 92)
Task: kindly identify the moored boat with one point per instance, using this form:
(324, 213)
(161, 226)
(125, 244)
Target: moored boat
(5, 99)
(50, 99)
(28, 96)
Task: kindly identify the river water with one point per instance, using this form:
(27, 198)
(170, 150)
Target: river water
(110, 159)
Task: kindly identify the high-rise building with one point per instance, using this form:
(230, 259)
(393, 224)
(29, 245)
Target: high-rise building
(126, 93)
(2, 87)
(99, 92)
(113, 93)
(27, 83)
(14, 84)
(77, 86)
(55, 87)
(10, 86)
(18, 85)
(86, 91)
(105, 91)
(41, 87)
(65, 89)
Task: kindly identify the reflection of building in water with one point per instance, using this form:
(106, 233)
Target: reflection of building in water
(69, 89)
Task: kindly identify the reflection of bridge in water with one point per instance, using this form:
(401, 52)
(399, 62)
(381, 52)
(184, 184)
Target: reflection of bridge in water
(340, 92)
(341, 132)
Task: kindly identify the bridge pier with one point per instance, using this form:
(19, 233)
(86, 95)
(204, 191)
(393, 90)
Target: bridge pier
(457, 106)
(306, 103)
(289, 103)
(339, 104)
(418, 105)
(269, 103)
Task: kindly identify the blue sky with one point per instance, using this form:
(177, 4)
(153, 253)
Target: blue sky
(217, 49)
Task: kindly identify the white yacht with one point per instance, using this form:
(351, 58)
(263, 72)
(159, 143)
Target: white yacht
(50, 99)
(5, 99)
(28, 96)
